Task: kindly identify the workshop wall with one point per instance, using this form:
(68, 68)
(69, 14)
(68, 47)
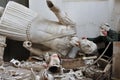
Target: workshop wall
(116, 16)
(88, 14)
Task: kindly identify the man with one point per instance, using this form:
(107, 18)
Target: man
(106, 35)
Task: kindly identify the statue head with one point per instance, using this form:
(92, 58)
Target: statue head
(86, 46)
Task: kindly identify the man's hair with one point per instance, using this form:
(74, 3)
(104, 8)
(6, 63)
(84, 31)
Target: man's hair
(107, 24)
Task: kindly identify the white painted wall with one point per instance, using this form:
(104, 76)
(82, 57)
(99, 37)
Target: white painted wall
(88, 15)
(116, 15)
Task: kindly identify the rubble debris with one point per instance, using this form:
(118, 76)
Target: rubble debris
(45, 75)
(2, 68)
(35, 70)
(54, 65)
(34, 76)
(12, 73)
(36, 66)
(15, 63)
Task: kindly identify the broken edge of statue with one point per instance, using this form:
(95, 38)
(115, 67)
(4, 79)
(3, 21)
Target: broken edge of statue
(20, 23)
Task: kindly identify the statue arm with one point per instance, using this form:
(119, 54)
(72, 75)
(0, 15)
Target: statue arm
(62, 16)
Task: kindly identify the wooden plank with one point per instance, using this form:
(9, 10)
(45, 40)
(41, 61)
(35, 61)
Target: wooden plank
(116, 60)
(72, 63)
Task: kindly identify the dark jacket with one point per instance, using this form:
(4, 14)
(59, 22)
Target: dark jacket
(111, 36)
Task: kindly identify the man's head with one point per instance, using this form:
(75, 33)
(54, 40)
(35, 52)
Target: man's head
(104, 29)
(105, 26)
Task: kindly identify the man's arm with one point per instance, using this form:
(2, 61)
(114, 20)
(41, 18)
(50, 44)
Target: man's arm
(98, 39)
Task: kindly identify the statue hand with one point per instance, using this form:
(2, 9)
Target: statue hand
(50, 4)
(75, 41)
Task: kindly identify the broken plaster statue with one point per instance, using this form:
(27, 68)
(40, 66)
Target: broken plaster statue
(21, 23)
(54, 65)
